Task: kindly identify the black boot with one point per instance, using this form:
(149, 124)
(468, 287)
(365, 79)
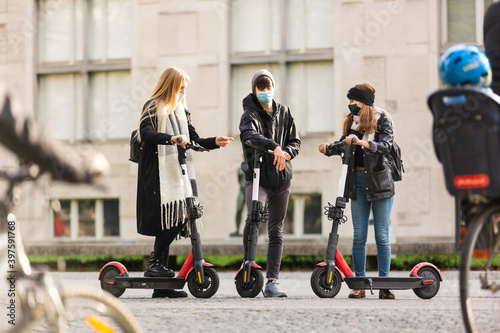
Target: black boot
(169, 293)
(155, 267)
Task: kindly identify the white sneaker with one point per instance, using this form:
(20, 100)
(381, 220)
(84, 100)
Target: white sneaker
(273, 289)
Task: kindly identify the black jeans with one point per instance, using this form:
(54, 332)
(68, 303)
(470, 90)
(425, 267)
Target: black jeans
(162, 243)
(277, 203)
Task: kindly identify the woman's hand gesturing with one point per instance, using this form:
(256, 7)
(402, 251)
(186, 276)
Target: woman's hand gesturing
(223, 141)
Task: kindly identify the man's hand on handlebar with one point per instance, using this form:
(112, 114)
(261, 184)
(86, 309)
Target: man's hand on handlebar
(280, 158)
(181, 140)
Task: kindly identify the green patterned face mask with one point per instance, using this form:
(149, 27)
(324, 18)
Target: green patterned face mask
(354, 108)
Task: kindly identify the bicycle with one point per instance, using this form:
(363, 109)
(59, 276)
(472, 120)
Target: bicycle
(36, 302)
(480, 267)
(465, 133)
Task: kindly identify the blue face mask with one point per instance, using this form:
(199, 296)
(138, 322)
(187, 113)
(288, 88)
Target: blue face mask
(265, 97)
(179, 97)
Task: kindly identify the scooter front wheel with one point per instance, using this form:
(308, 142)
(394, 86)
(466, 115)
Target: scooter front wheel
(319, 286)
(254, 287)
(428, 273)
(108, 281)
(209, 287)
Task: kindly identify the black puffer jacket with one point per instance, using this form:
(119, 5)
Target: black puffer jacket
(379, 183)
(268, 133)
(491, 30)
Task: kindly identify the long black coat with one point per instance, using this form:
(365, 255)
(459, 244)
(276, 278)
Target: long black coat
(148, 180)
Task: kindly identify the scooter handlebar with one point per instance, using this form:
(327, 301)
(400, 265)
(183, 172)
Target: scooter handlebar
(338, 145)
(196, 147)
(251, 144)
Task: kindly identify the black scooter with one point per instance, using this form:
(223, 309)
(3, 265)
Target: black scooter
(201, 277)
(327, 278)
(249, 279)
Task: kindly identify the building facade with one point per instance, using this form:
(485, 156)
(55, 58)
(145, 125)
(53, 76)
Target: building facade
(86, 67)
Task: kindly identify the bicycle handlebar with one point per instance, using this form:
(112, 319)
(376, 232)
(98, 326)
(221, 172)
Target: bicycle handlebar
(22, 135)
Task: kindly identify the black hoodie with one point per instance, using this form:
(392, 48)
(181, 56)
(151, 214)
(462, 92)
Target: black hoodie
(492, 42)
(267, 133)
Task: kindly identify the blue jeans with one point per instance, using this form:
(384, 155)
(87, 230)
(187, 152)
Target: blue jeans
(360, 210)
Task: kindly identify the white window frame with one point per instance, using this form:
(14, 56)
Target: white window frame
(84, 67)
(283, 57)
(299, 207)
(74, 221)
(479, 22)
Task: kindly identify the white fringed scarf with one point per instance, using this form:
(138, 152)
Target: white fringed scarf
(172, 191)
(378, 112)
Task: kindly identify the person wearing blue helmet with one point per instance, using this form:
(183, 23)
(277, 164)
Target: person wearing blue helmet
(464, 66)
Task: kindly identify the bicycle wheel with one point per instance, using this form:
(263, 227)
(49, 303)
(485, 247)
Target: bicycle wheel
(480, 272)
(90, 311)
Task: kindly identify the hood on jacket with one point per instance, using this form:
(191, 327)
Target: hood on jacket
(251, 101)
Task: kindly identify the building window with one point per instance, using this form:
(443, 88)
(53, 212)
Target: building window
(294, 40)
(83, 68)
(464, 20)
(303, 216)
(85, 219)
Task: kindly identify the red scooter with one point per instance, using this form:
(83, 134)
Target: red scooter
(201, 277)
(327, 278)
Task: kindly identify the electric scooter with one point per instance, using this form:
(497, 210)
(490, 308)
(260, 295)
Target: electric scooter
(249, 279)
(328, 276)
(201, 277)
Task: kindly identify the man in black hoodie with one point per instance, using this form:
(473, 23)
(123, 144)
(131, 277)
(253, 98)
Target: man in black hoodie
(491, 31)
(270, 126)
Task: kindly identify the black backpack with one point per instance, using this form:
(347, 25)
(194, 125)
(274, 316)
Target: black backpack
(394, 159)
(135, 147)
(395, 162)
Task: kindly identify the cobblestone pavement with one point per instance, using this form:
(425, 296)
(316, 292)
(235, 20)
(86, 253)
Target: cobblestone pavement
(302, 311)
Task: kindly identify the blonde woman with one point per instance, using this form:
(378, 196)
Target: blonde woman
(165, 122)
(368, 185)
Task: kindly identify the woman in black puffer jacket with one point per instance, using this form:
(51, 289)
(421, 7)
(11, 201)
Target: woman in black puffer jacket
(369, 183)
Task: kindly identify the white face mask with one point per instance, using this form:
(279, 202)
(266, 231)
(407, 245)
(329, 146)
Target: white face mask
(179, 97)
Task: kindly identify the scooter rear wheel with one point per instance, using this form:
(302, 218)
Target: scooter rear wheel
(320, 288)
(428, 273)
(253, 288)
(209, 288)
(108, 278)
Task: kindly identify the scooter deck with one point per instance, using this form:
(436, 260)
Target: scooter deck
(395, 283)
(140, 282)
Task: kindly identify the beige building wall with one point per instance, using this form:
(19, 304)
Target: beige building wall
(396, 49)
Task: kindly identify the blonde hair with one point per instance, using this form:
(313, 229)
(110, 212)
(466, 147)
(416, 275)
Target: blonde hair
(165, 94)
(367, 121)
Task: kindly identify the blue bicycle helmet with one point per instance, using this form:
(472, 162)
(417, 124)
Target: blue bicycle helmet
(462, 65)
